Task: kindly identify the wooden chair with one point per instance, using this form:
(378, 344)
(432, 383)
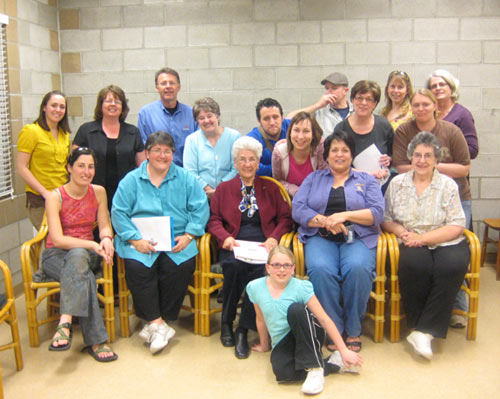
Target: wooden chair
(30, 262)
(127, 310)
(8, 314)
(472, 290)
(495, 225)
(377, 295)
(208, 251)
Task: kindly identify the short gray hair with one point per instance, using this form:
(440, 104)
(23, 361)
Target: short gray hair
(206, 104)
(160, 137)
(247, 143)
(451, 80)
(427, 139)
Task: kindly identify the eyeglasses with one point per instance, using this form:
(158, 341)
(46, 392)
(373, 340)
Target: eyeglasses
(426, 156)
(158, 151)
(278, 266)
(440, 85)
(243, 160)
(368, 100)
(115, 102)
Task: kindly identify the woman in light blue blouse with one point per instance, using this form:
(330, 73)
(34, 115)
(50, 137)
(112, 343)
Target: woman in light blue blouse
(158, 280)
(207, 152)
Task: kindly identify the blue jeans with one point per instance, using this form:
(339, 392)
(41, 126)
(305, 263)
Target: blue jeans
(461, 299)
(341, 270)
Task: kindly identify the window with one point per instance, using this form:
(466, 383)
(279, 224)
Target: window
(5, 143)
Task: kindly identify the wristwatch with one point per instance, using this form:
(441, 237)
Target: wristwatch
(189, 236)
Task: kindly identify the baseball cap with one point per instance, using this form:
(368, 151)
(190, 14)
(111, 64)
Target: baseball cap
(336, 78)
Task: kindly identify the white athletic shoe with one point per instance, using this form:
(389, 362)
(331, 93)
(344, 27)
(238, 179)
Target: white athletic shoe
(314, 381)
(336, 359)
(421, 343)
(146, 333)
(161, 334)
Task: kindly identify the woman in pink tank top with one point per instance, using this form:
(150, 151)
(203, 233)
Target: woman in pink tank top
(72, 255)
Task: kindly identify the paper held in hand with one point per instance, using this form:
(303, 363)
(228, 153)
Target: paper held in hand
(250, 252)
(368, 161)
(157, 229)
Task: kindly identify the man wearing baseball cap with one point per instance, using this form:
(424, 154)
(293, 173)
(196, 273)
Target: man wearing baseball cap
(333, 106)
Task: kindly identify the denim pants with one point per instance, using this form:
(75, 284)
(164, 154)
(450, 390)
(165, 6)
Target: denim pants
(341, 270)
(74, 269)
(461, 299)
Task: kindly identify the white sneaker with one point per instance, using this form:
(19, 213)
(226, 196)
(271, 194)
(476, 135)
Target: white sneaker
(458, 321)
(314, 381)
(145, 333)
(421, 343)
(336, 359)
(161, 334)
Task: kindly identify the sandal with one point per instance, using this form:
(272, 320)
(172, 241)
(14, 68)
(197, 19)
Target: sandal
(102, 348)
(354, 346)
(62, 337)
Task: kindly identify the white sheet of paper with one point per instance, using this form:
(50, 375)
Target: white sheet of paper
(368, 161)
(250, 252)
(156, 229)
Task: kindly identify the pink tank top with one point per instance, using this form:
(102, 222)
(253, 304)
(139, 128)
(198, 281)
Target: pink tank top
(77, 215)
(297, 173)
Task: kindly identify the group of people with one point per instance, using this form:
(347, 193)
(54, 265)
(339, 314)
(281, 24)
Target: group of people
(335, 158)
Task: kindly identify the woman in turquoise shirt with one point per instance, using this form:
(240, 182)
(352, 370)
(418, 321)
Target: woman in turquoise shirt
(207, 152)
(158, 280)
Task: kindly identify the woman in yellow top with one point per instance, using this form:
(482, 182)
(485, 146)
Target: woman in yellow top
(42, 150)
(398, 91)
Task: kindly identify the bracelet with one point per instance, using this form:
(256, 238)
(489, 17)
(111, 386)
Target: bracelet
(189, 236)
(111, 238)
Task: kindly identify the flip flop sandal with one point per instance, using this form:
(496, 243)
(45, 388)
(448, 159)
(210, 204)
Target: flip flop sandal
(62, 337)
(354, 346)
(100, 349)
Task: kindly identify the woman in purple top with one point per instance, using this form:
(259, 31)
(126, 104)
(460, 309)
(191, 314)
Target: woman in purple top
(445, 86)
(339, 210)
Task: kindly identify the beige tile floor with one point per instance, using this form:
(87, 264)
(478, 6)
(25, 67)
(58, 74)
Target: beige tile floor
(199, 367)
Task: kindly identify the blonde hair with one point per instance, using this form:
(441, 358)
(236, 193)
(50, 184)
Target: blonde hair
(280, 249)
(405, 78)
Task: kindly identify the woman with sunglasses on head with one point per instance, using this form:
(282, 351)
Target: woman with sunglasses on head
(42, 152)
(289, 312)
(72, 256)
(398, 91)
(445, 87)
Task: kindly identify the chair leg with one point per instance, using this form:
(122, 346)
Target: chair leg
(485, 244)
(498, 257)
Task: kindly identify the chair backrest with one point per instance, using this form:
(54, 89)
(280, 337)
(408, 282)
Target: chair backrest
(282, 188)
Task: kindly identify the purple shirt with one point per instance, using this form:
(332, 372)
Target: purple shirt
(461, 117)
(361, 192)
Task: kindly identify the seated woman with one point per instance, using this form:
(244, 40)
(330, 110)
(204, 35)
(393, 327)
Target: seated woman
(286, 308)
(398, 91)
(423, 209)
(207, 152)
(339, 210)
(158, 280)
(366, 128)
(300, 154)
(72, 256)
(244, 208)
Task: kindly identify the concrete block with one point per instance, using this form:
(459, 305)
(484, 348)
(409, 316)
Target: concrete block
(368, 9)
(208, 35)
(212, 12)
(491, 52)
(165, 36)
(83, 83)
(231, 101)
(47, 16)
(130, 81)
(299, 78)
(116, 39)
(100, 61)
(27, 10)
(11, 231)
(474, 187)
(288, 100)
(120, 2)
(413, 53)
(458, 8)
(367, 53)
(275, 55)
(78, 3)
(15, 266)
(75, 106)
(389, 30)
(25, 82)
(14, 79)
(254, 78)
(321, 9)
(26, 231)
(486, 121)
(213, 79)
(435, 29)
(277, 10)
(421, 73)
(71, 63)
(321, 54)
(88, 104)
(30, 104)
(231, 57)
(80, 40)
(54, 40)
(479, 28)
(143, 59)
(298, 32)
(69, 19)
(253, 33)
(49, 61)
(462, 52)
(39, 36)
(491, 8)
(415, 8)
(486, 164)
(101, 17)
(490, 188)
(470, 97)
(188, 58)
(29, 58)
(491, 98)
(484, 75)
(150, 15)
(23, 32)
(353, 30)
(482, 209)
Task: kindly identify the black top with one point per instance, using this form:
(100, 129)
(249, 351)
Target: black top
(251, 227)
(382, 135)
(127, 145)
(111, 170)
(336, 203)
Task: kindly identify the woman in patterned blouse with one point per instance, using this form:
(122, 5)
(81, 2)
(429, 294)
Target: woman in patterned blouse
(423, 209)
